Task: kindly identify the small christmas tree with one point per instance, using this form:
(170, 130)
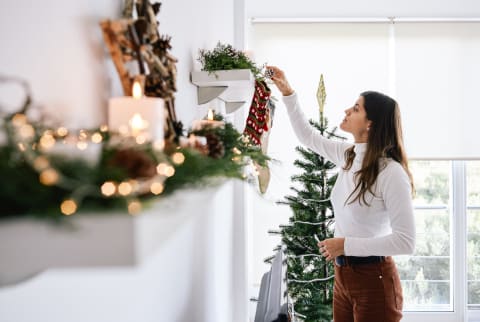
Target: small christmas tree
(309, 275)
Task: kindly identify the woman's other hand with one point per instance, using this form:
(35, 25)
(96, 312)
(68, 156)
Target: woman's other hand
(280, 81)
(331, 248)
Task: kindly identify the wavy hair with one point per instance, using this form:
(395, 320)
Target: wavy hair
(385, 140)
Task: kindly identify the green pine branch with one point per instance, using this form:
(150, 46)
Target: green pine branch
(225, 57)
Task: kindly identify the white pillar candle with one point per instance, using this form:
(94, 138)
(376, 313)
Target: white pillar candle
(139, 114)
(209, 122)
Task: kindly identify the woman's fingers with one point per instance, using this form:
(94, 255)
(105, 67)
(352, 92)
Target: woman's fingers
(278, 78)
(277, 72)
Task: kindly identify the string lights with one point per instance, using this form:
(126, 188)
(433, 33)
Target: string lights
(49, 152)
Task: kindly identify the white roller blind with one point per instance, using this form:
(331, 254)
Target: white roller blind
(353, 58)
(431, 68)
(438, 85)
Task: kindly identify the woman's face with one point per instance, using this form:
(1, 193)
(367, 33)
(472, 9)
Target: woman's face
(356, 122)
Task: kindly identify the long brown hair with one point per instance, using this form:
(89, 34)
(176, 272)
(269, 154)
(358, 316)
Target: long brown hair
(385, 139)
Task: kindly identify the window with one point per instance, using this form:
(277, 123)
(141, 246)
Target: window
(426, 276)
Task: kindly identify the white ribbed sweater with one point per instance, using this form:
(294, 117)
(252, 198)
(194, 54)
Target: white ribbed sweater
(385, 226)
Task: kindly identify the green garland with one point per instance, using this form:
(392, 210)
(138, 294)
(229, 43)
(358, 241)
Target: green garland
(225, 57)
(24, 192)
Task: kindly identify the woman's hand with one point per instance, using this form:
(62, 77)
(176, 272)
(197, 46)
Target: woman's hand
(331, 248)
(280, 81)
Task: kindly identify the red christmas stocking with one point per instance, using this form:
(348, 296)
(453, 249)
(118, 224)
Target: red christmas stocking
(257, 117)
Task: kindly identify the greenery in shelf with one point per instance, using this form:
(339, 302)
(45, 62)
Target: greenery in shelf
(225, 57)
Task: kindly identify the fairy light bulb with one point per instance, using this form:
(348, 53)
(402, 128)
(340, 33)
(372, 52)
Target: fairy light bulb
(82, 135)
(169, 171)
(236, 151)
(19, 119)
(134, 207)
(47, 141)
(96, 137)
(125, 188)
(104, 128)
(162, 168)
(108, 188)
(62, 131)
(26, 131)
(68, 207)
(49, 177)
(178, 158)
(40, 163)
(156, 188)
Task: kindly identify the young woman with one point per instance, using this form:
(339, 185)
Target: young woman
(372, 200)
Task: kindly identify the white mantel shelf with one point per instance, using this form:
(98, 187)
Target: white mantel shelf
(173, 262)
(234, 87)
(30, 246)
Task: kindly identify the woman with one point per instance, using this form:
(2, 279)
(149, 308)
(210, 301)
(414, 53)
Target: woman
(372, 203)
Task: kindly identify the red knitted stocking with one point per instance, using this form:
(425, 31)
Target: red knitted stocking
(257, 116)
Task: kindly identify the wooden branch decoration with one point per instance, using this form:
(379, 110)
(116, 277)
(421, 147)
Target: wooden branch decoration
(128, 9)
(137, 43)
(110, 37)
(153, 61)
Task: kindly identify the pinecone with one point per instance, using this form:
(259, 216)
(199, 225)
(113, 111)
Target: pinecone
(215, 146)
(137, 164)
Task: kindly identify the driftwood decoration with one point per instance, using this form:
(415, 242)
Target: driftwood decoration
(136, 37)
(113, 35)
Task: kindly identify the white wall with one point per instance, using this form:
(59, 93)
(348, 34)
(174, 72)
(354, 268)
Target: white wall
(57, 46)
(194, 25)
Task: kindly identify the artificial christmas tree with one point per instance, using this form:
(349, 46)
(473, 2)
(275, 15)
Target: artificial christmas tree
(309, 275)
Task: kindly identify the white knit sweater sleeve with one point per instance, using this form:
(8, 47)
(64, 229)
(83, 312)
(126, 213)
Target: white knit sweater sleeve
(396, 193)
(310, 136)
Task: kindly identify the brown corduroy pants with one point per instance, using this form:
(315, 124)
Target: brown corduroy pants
(367, 293)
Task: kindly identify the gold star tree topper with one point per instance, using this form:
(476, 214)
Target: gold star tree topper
(321, 94)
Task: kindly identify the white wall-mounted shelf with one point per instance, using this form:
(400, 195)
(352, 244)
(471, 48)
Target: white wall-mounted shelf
(234, 87)
(172, 262)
